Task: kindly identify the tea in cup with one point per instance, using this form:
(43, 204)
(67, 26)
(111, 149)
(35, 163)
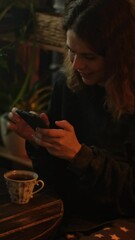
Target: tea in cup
(21, 183)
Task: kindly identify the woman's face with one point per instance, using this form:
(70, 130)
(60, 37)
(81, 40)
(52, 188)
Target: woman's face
(89, 64)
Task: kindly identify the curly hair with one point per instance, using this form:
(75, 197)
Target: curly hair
(109, 27)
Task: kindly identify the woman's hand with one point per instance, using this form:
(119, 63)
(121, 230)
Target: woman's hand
(18, 125)
(61, 142)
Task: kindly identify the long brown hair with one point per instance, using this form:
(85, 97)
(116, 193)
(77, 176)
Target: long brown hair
(108, 26)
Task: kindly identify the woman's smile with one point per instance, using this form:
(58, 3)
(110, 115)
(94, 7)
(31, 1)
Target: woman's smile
(88, 63)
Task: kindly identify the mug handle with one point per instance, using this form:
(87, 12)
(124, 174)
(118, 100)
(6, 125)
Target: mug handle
(37, 183)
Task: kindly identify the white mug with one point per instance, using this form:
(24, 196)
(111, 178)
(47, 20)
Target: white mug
(20, 184)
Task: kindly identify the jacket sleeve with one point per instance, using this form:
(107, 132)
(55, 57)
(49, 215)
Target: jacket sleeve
(105, 180)
(110, 179)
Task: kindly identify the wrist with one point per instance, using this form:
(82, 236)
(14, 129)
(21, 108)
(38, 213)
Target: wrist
(83, 157)
(74, 152)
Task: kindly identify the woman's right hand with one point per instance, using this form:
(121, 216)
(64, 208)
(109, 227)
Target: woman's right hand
(18, 125)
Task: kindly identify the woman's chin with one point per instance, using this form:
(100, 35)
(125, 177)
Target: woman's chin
(88, 81)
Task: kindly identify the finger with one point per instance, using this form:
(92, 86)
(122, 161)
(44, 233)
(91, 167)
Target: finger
(14, 110)
(47, 145)
(64, 124)
(45, 118)
(33, 112)
(13, 117)
(50, 133)
(11, 126)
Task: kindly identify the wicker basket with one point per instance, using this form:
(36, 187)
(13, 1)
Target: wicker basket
(49, 30)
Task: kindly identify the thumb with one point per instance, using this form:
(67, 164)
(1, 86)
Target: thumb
(64, 125)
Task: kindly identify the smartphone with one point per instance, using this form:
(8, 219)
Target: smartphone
(32, 119)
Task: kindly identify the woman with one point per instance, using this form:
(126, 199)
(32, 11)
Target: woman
(87, 153)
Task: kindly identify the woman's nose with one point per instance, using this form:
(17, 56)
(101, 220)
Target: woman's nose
(77, 62)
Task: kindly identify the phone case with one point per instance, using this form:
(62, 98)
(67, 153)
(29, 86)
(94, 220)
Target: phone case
(32, 119)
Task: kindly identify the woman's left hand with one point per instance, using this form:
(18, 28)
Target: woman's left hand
(61, 142)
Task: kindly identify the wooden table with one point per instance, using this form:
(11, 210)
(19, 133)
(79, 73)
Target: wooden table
(36, 220)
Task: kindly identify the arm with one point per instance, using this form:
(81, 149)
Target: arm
(106, 180)
(109, 178)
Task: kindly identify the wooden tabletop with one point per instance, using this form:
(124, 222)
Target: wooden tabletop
(35, 220)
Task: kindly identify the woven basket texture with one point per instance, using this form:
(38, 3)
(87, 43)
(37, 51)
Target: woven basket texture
(49, 30)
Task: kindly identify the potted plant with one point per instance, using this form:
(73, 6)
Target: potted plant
(16, 88)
